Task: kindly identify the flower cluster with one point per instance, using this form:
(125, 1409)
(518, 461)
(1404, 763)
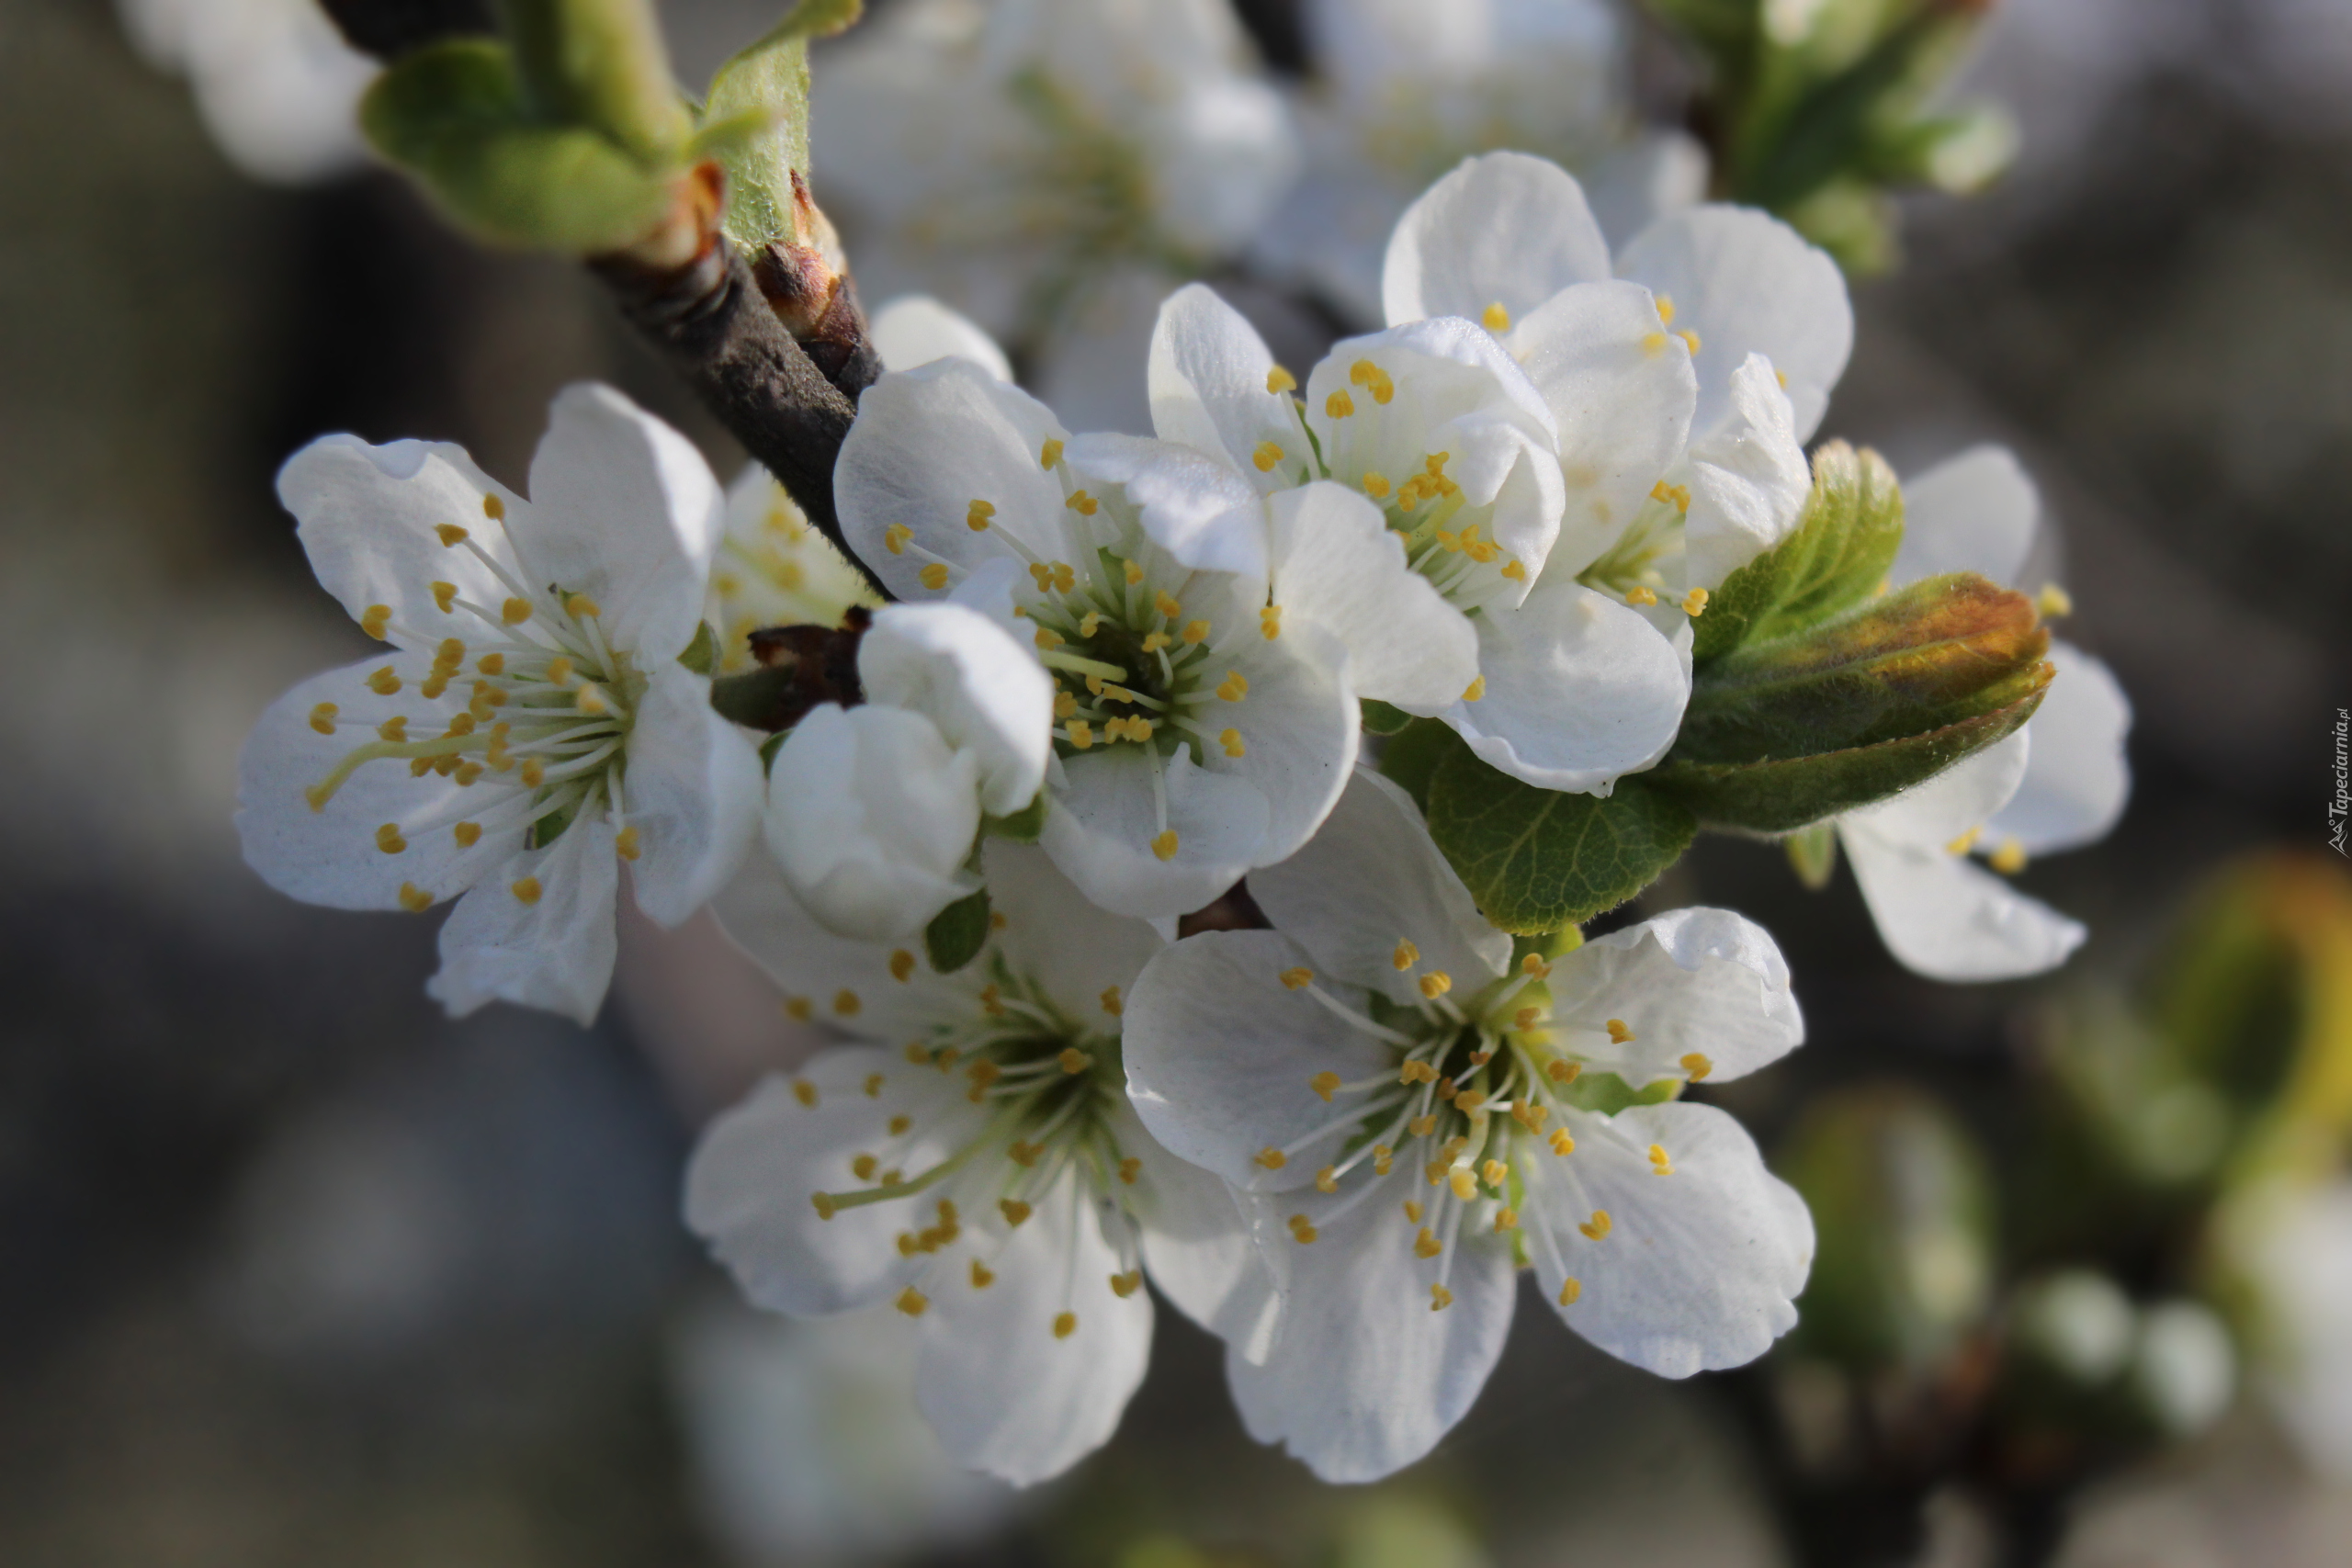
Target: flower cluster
(1127, 677)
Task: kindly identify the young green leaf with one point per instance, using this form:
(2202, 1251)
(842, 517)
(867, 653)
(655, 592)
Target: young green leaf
(1537, 860)
(763, 94)
(956, 934)
(1841, 550)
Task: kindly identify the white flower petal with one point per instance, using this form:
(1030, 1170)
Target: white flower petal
(1746, 283)
(1075, 953)
(1221, 1056)
(1370, 878)
(2077, 775)
(871, 816)
(1504, 228)
(984, 691)
(1209, 386)
(1099, 829)
(693, 790)
(1338, 565)
(624, 510)
(1975, 513)
(752, 1179)
(1931, 815)
(1747, 477)
(331, 856)
(555, 952)
(367, 515)
(916, 329)
(927, 444)
(1621, 391)
(851, 985)
(1644, 179)
(1299, 725)
(1580, 691)
(1196, 1243)
(1699, 980)
(1700, 1269)
(1949, 919)
(1193, 507)
(1006, 1393)
(1363, 1377)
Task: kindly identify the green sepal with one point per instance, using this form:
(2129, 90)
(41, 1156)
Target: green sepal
(752, 699)
(1845, 543)
(1786, 733)
(1380, 719)
(1410, 758)
(701, 656)
(1537, 860)
(1022, 827)
(1812, 854)
(1609, 1094)
(770, 747)
(454, 116)
(762, 93)
(956, 934)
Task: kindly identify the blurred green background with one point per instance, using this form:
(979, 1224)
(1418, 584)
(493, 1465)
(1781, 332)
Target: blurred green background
(294, 1271)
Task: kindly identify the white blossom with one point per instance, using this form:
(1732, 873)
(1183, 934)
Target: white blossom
(1396, 1098)
(2296, 1251)
(530, 726)
(971, 1156)
(774, 569)
(1407, 89)
(1051, 167)
(2060, 783)
(1198, 734)
(873, 811)
(276, 84)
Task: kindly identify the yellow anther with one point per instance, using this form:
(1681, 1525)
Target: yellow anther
(1494, 319)
(451, 534)
(467, 834)
(1296, 979)
(1082, 734)
(1436, 983)
(1023, 1155)
(1232, 740)
(494, 508)
(1065, 703)
(845, 1003)
(1065, 1324)
(1279, 380)
(976, 516)
(898, 1125)
(1073, 1061)
(1270, 1158)
(2010, 858)
(322, 718)
(1691, 339)
(1448, 1089)
(534, 773)
(1126, 1284)
(1196, 632)
(799, 1009)
(1494, 1173)
(1405, 955)
(1665, 310)
(982, 1275)
(1133, 573)
(1265, 456)
(1596, 1227)
(1154, 641)
(1571, 1290)
(1302, 1229)
(1465, 1185)
(1641, 596)
(1524, 1018)
(1091, 623)
(1165, 602)
(1082, 503)
(1382, 1157)
(1533, 965)
(384, 682)
(1965, 842)
(445, 596)
(388, 839)
(895, 537)
(462, 724)
(1422, 1126)
(1620, 1034)
(1416, 1072)
(1449, 542)
(1563, 1072)
(414, 899)
(1047, 637)
(1427, 1245)
(864, 1167)
(1659, 1162)
(1475, 690)
(465, 774)
(823, 1203)
(590, 699)
(527, 891)
(1164, 846)
(1324, 1084)
(2053, 602)
(934, 577)
(1269, 622)
(912, 1302)
(1130, 1169)
(514, 612)
(1694, 603)
(1041, 574)
(1050, 453)
(1065, 576)
(1652, 343)
(1013, 1210)
(1328, 1179)
(1374, 379)
(1112, 1002)
(1562, 1144)
(1440, 1298)
(1515, 569)
(374, 619)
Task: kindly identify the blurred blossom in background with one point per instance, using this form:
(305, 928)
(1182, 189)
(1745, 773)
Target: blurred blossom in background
(298, 1272)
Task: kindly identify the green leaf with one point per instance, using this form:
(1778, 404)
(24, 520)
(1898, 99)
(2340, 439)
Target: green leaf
(1844, 543)
(454, 117)
(1380, 719)
(956, 934)
(1022, 827)
(770, 81)
(1411, 756)
(1537, 860)
(1812, 854)
(702, 654)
